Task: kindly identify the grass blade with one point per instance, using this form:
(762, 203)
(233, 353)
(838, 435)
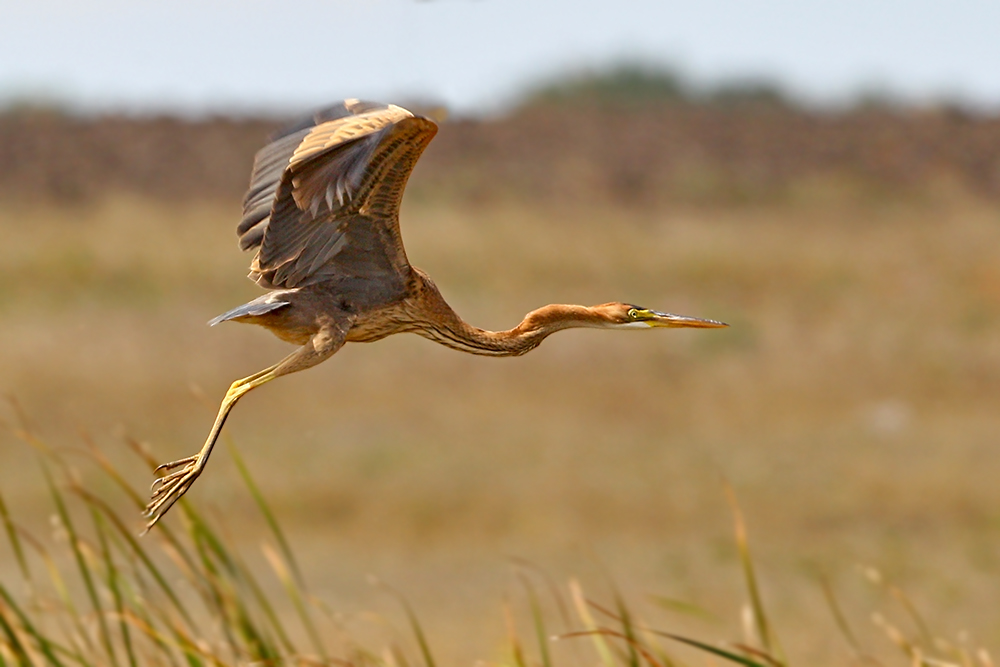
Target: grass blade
(603, 650)
(539, 621)
(45, 645)
(265, 509)
(766, 634)
(838, 615)
(722, 653)
(112, 578)
(14, 541)
(411, 617)
(517, 653)
(664, 658)
(76, 547)
(295, 595)
(683, 607)
(13, 641)
(627, 629)
(137, 550)
(598, 632)
(224, 579)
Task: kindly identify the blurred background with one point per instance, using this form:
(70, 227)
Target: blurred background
(823, 176)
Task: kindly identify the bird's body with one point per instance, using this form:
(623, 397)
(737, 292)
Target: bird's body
(322, 213)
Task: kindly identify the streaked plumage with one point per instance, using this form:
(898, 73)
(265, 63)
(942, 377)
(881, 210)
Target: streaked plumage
(322, 212)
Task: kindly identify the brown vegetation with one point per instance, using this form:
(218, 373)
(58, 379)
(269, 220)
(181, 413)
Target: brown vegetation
(655, 152)
(852, 404)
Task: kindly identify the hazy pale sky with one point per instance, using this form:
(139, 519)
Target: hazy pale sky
(203, 55)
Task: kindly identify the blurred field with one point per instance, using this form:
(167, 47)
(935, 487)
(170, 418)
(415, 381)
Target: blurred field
(852, 403)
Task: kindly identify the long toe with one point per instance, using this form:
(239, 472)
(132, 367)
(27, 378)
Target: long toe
(168, 490)
(158, 507)
(161, 483)
(176, 464)
(156, 502)
(155, 510)
(161, 491)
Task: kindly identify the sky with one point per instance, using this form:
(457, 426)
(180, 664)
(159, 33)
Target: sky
(474, 56)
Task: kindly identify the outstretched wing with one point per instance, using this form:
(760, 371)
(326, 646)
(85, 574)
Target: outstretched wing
(324, 196)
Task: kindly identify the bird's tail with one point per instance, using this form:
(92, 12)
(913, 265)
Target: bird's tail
(248, 309)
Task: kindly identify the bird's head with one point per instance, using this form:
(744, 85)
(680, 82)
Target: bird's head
(625, 315)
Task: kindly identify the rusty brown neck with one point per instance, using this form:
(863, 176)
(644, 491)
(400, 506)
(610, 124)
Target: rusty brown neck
(437, 321)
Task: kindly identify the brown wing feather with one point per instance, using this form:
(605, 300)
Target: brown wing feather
(271, 162)
(324, 199)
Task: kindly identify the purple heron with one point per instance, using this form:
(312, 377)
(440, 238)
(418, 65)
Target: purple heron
(322, 212)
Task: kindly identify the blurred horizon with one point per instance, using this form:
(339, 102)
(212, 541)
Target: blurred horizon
(629, 80)
(196, 59)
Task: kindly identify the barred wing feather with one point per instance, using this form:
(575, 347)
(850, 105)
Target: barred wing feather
(324, 197)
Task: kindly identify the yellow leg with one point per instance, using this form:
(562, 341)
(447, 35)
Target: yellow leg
(180, 475)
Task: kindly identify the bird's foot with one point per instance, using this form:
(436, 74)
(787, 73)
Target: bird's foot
(168, 489)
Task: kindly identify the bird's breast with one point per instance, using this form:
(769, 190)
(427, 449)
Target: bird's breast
(378, 324)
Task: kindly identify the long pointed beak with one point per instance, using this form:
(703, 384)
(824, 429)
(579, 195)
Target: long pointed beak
(675, 321)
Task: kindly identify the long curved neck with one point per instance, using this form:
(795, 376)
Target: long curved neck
(441, 324)
(526, 336)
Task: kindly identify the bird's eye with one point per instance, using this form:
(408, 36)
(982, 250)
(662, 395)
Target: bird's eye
(633, 314)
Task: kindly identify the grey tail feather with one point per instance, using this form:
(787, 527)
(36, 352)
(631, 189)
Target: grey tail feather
(251, 308)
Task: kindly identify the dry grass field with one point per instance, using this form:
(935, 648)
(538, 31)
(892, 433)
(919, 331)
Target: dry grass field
(852, 404)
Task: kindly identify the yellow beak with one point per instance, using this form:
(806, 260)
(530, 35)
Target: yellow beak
(658, 319)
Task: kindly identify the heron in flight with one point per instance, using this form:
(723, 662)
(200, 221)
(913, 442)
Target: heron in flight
(322, 213)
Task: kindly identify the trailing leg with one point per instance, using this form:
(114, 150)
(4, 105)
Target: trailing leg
(181, 474)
